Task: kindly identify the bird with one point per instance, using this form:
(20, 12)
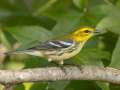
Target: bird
(58, 50)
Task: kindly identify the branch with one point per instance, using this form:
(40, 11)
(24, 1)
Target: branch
(55, 73)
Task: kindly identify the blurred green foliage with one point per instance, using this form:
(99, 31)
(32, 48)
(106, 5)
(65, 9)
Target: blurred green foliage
(26, 22)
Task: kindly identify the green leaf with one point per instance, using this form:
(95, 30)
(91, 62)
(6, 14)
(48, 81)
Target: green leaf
(35, 62)
(111, 21)
(20, 6)
(43, 5)
(14, 65)
(4, 39)
(110, 24)
(38, 86)
(110, 9)
(4, 14)
(19, 87)
(60, 9)
(118, 4)
(66, 24)
(1, 87)
(103, 85)
(80, 3)
(6, 4)
(114, 87)
(115, 62)
(58, 85)
(27, 85)
(21, 19)
(82, 85)
(26, 34)
(91, 56)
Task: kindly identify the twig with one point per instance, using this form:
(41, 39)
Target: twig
(55, 73)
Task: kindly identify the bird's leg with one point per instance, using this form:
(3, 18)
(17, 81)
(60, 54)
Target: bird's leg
(53, 62)
(61, 65)
(58, 64)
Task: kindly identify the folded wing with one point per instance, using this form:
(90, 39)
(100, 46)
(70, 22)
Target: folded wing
(54, 45)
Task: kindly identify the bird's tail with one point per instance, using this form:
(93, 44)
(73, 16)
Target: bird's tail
(30, 52)
(16, 52)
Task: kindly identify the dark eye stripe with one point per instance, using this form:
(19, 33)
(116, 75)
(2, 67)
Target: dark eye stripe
(86, 31)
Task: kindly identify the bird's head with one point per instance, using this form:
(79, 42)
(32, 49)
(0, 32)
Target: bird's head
(83, 34)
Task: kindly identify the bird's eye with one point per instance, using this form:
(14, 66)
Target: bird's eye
(86, 31)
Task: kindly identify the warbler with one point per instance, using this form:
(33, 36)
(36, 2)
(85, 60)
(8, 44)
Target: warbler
(58, 50)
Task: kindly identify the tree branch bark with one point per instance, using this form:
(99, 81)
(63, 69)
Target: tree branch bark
(55, 73)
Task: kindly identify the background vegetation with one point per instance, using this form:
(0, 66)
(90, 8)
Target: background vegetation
(26, 22)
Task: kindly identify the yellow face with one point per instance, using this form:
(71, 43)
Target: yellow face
(83, 34)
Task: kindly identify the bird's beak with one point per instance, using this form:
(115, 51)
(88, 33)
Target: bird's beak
(96, 32)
